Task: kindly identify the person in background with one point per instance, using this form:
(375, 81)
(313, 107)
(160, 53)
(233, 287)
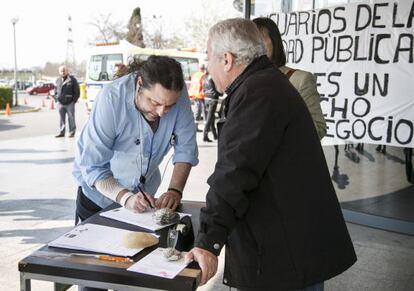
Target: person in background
(282, 231)
(211, 97)
(67, 94)
(196, 93)
(303, 81)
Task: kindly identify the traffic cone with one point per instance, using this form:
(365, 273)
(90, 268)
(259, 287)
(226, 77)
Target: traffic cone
(43, 103)
(8, 111)
(52, 105)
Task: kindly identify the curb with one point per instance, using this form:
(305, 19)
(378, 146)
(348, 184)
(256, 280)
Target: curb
(35, 109)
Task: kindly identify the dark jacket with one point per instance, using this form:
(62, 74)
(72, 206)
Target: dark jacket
(67, 91)
(271, 200)
(210, 89)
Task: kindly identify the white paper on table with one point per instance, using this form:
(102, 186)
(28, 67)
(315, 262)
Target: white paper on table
(143, 219)
(156, 264)
(95, 238)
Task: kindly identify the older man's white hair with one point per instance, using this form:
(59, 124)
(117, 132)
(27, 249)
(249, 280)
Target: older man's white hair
(238, 36)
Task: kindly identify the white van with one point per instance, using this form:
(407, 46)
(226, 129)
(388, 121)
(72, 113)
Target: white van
(103, 59)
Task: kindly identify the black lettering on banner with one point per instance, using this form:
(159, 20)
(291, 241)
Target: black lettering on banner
(410, 16)
(343, 109)
(342, 48)
(347, 132)
(377, 58)
(357, 89)
(324, 99)
(294, 50)
(335, 83)
(321, 13)
(363, 112)
(360, 91)
(354, 130)
(384, 90)
(389, 129)
(376, 17)
(292, 22)
(371, 47)
(360, 9)
(342, 19)
(356, 47)
(410, 135)
(315, 47)
(331, 80)
(317, 75)
(408, 49)
(394, 16)
(370, 125)
(303, 22)
(290, 51)
(332, 56)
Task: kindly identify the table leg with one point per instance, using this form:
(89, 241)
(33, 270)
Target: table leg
(61, 287)
(24, 283)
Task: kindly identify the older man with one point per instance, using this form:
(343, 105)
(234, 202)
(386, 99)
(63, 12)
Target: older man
(271, 200)
(67, 94)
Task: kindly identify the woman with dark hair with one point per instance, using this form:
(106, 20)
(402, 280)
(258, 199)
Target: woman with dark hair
(303, 81)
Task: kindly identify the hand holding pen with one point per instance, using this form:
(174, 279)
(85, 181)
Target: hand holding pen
(140, 202)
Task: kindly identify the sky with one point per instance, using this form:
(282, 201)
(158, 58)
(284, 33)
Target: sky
(42, 28)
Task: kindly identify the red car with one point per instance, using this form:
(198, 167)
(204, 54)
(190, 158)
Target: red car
(44, 88)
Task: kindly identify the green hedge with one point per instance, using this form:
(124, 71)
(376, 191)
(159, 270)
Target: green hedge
(6, 95)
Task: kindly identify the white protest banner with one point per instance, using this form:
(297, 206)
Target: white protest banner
(362, 57)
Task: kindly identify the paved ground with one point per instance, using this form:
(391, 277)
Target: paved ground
(37, 196)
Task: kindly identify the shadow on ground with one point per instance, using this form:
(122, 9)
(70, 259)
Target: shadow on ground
(36, 236)
(40, 162)
(30, 210)
(37, 209)
(28, 151)
(6, 125)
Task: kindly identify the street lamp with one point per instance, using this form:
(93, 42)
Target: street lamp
(14, 21)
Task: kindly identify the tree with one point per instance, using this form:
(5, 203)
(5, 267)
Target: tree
(134, 34)
(51, 69)
(206, 16)
(108, 31)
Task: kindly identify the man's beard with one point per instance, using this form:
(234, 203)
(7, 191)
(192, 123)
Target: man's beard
(148, 115)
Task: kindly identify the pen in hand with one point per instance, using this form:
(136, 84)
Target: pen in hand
(145, 197)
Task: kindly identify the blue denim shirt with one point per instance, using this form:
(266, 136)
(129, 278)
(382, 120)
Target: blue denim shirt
(117, 141)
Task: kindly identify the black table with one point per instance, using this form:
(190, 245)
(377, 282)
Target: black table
(56, 265)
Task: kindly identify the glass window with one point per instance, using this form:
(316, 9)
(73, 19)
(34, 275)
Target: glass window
(111, 61)
(95, 67)
(102, 67)
(188, 65)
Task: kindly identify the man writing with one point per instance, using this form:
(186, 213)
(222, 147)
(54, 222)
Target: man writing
(280, 233)
(135, 121)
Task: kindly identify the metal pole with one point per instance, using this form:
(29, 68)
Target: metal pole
(247, 8)
(14, 21)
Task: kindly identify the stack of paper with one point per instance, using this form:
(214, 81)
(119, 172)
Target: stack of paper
(156, 264)
(95, 238)
(143, 219)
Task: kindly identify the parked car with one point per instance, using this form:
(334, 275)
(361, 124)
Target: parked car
(43, 88)
(4, 83)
